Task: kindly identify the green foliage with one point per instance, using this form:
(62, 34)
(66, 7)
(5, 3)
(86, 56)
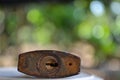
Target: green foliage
(42, 34)
(35, 16)
(64, 24)
(11, 23)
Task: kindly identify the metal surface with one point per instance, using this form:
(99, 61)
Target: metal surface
(48, 64)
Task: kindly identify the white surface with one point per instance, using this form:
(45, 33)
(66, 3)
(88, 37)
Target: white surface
(13, 74)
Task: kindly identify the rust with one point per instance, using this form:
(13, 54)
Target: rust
(48, 64)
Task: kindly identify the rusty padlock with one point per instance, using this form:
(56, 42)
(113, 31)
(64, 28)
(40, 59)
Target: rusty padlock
(49, 64)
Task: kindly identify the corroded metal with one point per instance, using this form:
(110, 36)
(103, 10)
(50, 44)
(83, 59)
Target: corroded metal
(48, 64)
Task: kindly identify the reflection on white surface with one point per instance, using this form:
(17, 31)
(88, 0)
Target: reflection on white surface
(9, 72)
(12, 73)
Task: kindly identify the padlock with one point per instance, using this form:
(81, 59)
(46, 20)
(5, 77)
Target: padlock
(49, 64)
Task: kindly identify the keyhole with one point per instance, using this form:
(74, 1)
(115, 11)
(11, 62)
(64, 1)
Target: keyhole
(51, 63)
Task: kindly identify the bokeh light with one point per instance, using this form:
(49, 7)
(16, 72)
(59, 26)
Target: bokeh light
(35, 16)
(24, 34)
(115, 7)
(85, 30)
(43, 34)
(97, 8)
(98, 31)
(118, 21)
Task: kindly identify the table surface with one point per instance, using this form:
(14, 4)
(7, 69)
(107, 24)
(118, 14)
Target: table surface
(13, 74)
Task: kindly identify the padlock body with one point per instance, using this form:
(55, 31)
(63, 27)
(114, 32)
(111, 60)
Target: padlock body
(48, 64)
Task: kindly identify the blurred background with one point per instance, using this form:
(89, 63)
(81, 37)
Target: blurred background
(87, 28)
